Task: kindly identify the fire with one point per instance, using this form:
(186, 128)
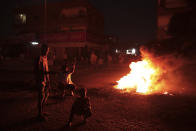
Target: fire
(143, 77)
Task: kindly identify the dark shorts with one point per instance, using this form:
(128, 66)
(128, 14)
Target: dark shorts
(70, 87)
(85, 112)
(67, 86)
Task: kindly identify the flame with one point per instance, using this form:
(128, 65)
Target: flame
(143, 77)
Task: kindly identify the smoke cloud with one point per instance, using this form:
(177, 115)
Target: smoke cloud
(177, 74)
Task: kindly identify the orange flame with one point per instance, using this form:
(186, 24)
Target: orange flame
(143, 77)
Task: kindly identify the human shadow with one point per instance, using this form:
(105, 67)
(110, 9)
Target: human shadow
(73, 127)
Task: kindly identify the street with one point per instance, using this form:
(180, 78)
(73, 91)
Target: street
(112, 109)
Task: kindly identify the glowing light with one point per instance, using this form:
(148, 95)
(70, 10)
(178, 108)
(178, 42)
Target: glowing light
(117, 51)
(34, 43)
(128, 52)
(133, 51)
(22, 18)
(165, 93)
(143, 77)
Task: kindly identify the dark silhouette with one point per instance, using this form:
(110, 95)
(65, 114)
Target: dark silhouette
(81, 106)
(42, 79)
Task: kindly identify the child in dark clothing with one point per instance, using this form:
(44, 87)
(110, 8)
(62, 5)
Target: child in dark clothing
(81, 106)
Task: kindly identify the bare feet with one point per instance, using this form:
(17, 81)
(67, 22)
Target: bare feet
(42, 118)
(69, 124)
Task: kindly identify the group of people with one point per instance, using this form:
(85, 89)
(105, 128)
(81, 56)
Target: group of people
(81, 105)
(94, 59)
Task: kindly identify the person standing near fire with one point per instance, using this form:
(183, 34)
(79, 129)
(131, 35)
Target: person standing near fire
(42, 80)
(93, 58)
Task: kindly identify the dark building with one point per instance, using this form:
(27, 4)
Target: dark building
(112, 42)
(166, 10)
(176, 27)
(69, 27)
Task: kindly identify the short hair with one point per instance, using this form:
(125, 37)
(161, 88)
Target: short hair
(82, 91)
(64, 66)
(44, 48)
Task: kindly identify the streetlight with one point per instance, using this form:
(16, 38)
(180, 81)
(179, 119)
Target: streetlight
(34, 43)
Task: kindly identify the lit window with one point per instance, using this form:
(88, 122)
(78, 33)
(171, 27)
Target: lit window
(131, 51)
(128, 51)
(20, 19)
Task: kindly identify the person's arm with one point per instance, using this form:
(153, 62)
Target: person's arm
(48, 79)
(88, 103)
(74, 67)
(40, 68)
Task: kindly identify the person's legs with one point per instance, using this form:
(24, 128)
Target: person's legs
(64, 92)
(41, 96)
(71, 88)
(46, 92)
(86, 115)
(70, 118)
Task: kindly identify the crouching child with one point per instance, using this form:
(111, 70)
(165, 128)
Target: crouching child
(81, 107)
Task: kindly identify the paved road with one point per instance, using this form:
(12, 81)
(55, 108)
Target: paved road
(112, 109)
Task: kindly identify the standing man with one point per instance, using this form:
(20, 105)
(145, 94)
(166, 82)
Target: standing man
(42, 79)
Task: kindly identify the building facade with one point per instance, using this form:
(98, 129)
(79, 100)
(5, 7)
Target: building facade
(71, 28)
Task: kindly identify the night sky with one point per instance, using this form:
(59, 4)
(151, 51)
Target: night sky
(130, 20)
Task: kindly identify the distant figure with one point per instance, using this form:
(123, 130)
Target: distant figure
(65, 57)
(121, 58)
(42, 79)
(93, 58)
(54, 59)
(109, 58)
(100, 61)
(81, 106)
(65, 79)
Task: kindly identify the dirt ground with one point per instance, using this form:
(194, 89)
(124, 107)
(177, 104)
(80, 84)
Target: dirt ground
(112, 109)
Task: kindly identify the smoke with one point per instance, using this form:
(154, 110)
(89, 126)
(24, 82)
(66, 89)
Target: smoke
(177, 71)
